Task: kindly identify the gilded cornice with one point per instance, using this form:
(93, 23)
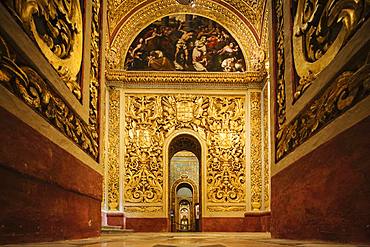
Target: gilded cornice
(154, 10)
(183, 78)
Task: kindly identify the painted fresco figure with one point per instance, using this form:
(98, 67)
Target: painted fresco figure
(199, 56)
(157, 61)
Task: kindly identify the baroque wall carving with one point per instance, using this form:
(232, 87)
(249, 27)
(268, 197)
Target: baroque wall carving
(342, 93)
(320, 31)
(27, 84)
(266, 147)
(256, 150)
(113, 181)
(219, 120)
(57, 29)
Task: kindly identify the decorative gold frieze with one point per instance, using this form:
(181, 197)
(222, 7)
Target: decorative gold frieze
(320, 30)
(24, 82)
(142, 209)
(185, 78)
(219, 120)
(256, 162)
(341, 94)
(226, 208)
(113, 181)
(56, 27)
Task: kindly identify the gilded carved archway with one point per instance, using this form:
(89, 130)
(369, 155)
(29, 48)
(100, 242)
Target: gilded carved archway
(150, 11)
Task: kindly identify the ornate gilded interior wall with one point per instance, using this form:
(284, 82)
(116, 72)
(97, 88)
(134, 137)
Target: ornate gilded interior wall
(229, 128)
(51, 73)
(320, 66)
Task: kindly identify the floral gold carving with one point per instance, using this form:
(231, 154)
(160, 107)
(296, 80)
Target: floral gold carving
(226, 208)
(345, 91)
(219, 120)
(256, 162)
(25, 82)
(142, 209)
(266, 149)
(280, 63)
(113, 183)
(320, 30)
(56, 26)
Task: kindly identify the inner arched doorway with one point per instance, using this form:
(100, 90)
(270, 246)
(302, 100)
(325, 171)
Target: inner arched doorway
(184, 155)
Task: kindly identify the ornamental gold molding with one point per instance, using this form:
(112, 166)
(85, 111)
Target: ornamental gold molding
(226, 208)
(153, 77)
(266, 149)
(256, 162)
(278, 19)
(143, 209)
(219, 120)
(34, 90)
(252, 10)
(341, 94)
(320, 31)
(154, 10)
(56, 27)
(113, 181)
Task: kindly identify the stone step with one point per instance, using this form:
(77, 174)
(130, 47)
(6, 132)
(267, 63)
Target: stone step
(114, 229)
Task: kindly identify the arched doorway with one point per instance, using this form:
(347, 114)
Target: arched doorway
(184, 175)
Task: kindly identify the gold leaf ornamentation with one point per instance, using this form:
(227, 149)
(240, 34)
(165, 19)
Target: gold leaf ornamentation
(345, 91)
(320, 31)
(218, 120)
(57, 28)
(113, 150)
(256, 162)
(34, 90)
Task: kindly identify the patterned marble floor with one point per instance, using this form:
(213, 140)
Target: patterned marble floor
(187, 240)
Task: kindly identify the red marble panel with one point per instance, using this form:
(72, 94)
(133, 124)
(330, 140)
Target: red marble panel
(28, 152)
(326, 194)
(45, 193)
(147, 224)
(250, 223)
(116, 219)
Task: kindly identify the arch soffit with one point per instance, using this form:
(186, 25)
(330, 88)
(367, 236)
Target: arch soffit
(168, 140)
(120, 41)
(181, 181)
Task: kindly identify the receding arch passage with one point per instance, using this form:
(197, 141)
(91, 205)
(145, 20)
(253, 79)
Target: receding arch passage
(184, 182)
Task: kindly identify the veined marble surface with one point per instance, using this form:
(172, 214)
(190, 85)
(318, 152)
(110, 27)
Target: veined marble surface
(187, 240)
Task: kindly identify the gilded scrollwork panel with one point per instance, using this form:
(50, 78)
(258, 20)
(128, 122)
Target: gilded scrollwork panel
(256, 150)
(342, 93)
(266, 149)
(57, 29)
(27, 84)
(320, 31)
(219, 121)
(113, 174)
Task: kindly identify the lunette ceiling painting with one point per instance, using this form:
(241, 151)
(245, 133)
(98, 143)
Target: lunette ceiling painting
(185, 43)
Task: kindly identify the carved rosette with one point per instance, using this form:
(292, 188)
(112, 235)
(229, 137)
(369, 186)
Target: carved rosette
(320, 30)
(113, 182)
(256, 152)
(56, 27)
(218, 120)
